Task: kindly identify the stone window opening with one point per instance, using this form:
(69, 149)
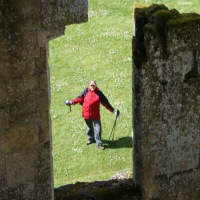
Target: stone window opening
(77, 109)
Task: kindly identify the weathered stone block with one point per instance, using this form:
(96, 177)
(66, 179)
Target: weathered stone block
(44, 36)
(25, 126)
(24, 191)
(70, 12)
(41, 62)
(20, 167)
(4, 118)
(43, 126)
(166, 92)
(2, 170)
(21, 136)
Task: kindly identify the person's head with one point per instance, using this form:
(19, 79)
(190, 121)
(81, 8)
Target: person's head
(92, 85)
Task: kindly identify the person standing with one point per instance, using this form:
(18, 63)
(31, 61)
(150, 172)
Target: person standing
(90, 99)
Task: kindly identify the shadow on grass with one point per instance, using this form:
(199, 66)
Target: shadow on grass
(124, 142)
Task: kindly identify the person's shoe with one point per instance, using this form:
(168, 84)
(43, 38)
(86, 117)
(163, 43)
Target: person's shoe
(89, 142)
(101, 147)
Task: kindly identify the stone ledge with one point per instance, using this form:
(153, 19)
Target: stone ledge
(115, 189)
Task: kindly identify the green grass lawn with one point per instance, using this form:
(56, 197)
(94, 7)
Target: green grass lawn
(101, 50)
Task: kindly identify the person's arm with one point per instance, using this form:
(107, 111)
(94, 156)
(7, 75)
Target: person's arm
(80, 98)
(104, 101)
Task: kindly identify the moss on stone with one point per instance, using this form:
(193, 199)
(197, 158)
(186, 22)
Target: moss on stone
(183, 19)
(155, 8)
(165, 14)
(155, 15)
(151, 28)
(155, 20)
(158, 19)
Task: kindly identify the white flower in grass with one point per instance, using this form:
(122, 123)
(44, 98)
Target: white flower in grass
(77, 150)
(116, 158)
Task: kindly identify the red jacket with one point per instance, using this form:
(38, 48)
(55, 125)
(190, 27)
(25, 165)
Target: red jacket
(90, 101)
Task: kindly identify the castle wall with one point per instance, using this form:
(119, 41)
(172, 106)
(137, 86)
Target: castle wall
(25, 126)
(166, 87)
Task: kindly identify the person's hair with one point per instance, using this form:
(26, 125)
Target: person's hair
(93, 82)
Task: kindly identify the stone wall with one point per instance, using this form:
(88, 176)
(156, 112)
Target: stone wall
(166, 88)
(25, 127)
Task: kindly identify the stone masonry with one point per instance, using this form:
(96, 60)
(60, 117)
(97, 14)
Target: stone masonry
(166, 91)
(166, 88)
(25, 127)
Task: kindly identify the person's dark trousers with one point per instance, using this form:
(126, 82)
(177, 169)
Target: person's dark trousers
(94, 130)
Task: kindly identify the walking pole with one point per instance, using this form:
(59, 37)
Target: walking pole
(70, 109)
(113, 129)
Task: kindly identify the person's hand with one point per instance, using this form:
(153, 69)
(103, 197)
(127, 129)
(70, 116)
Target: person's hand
(68, 103)
(116, 112)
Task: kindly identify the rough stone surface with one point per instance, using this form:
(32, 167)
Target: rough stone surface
(25, 130)
(120, 187)
(166, 53)
(166, 86)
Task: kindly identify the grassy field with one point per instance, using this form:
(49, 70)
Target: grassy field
(101, 50)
